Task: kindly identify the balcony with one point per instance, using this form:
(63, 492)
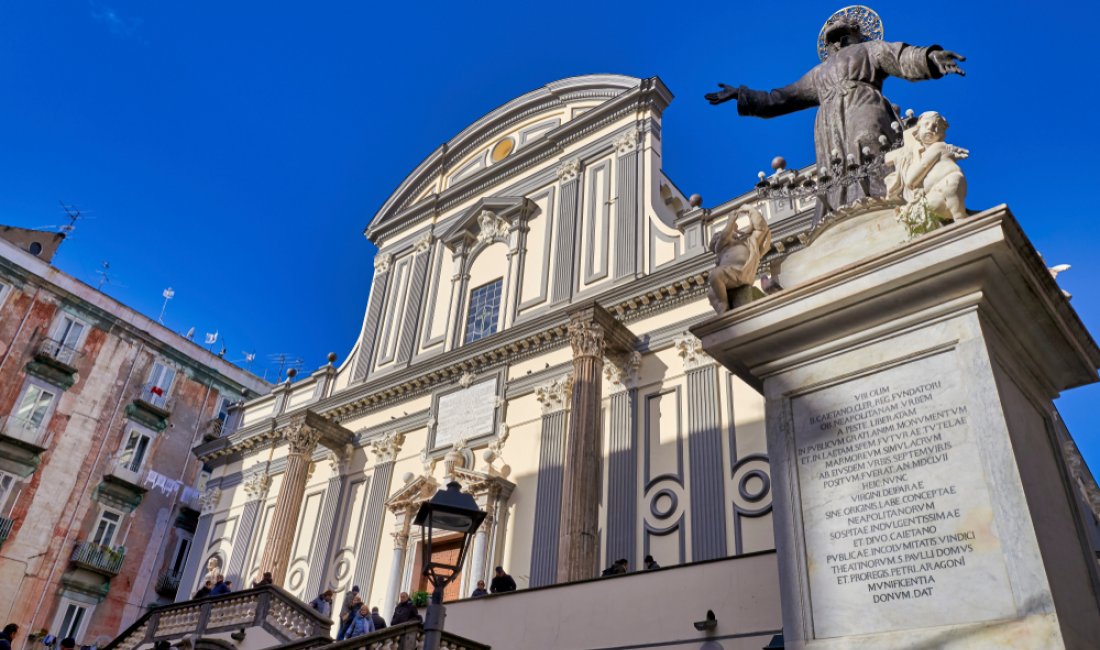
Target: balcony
(26, 431)
(151, 407)
(97, 558)
(55, 362)
(5, 528)
(212, 429)
(267, 615)
(168, 584)
(21, 445)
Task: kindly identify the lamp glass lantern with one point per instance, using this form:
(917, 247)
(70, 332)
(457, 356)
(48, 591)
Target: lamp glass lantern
(449, 510)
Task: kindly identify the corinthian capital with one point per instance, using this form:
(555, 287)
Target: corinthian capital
(388, 446)
(569, 170)
(622, 373)
(626, 142)
(209, 500)
(256, 486)
(422, 243)
(586, 337)
(382, 262)
(691, 351)
(301, 437)
(554, 395)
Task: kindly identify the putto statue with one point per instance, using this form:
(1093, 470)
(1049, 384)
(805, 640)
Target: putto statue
(855, 121)
(739, 253)
(926, 176)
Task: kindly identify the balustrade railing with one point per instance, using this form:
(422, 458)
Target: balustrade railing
(407, 636)
(269, 607)
(58, 351)
(99, 558)
(22, 429)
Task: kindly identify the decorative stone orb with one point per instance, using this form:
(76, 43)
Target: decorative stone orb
(695, 200)
(332, 357)
(779, 163)
(408, 477)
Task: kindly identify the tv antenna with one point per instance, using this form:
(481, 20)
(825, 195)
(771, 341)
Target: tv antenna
(168, 295)
(74, 215)
(102, 273)
(285, 361)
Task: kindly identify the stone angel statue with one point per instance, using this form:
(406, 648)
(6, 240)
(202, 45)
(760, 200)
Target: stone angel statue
(739, 252)
(927, 177)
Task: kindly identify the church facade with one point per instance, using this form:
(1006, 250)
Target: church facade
(538, 258)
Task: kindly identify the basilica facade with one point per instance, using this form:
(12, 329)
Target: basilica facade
(525, 335)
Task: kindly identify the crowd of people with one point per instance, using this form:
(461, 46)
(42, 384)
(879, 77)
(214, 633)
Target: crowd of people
(621, 566)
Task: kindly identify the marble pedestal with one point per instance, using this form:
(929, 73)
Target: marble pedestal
(922, 499)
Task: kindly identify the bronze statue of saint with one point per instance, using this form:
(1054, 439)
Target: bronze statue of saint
(853, 115)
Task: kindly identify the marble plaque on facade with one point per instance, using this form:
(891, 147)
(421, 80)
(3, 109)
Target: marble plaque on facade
(466, 413)
(896, 508)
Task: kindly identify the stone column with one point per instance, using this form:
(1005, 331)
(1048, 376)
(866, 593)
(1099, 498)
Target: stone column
(626, 206)
(592, 333)
(192, 568)
(325, 536)
(255, 487)
(707, 485)
(622, 459)
(417, 287)
(404, 515)
(554, 397)
(363, 362)
(569, 173)
(288, 508)
(370, 537)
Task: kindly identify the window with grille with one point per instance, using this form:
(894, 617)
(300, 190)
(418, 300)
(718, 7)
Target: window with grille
(484, 312)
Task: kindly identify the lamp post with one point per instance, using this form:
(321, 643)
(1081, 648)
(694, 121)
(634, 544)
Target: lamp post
(450, 510)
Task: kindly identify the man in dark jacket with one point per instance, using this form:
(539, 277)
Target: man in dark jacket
(8, 635)
(266, 580)
(379, 622)
(405, 611)
(220, 587)
(204, 591)
(502, 582)
(480, 591)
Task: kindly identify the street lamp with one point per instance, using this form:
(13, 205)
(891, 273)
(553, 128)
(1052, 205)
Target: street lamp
(450, 510)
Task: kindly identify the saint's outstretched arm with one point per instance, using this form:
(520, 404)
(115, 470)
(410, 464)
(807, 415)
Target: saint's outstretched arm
(788, 99)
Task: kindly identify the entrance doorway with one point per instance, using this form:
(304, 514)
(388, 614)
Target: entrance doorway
(447, 552)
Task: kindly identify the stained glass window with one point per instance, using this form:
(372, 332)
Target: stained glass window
(481, 319)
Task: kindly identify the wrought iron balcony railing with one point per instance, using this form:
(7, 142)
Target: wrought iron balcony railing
(5, 528)
(168, 583)
(155, 396)
(99, 558)
(57, 351)
(27, 431)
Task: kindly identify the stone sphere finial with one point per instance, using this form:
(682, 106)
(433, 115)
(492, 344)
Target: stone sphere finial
(695, 200)
(291, 373)
(332, 357)
(779, 163)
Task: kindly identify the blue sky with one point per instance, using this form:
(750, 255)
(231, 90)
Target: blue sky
(236, 150)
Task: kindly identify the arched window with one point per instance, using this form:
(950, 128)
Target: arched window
(484, 312)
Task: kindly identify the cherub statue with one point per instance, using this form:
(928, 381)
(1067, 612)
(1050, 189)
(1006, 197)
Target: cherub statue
(739, 253)
(926, 175)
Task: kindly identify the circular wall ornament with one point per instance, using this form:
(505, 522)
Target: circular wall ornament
(870, 26)
(502, 149)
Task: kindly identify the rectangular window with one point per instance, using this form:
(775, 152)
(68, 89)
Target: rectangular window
(484, 313)
(134, 451)
(160, 382)
(106, 528)
(8, 483)
(72, 620)
(180, 557)
(33, 408)
(66, 338)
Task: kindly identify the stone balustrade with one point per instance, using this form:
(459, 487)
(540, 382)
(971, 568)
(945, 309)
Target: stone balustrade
(407, 636)
(282, 616)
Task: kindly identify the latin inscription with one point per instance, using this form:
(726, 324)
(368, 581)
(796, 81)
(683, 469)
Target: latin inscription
(466, 413)
(896, 510)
